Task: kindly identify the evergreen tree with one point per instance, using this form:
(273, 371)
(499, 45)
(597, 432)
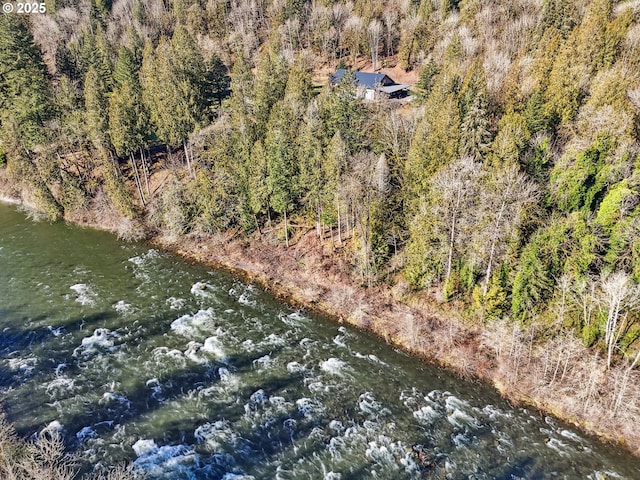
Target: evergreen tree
(342, 111)
(436, 143)
(174, 89)
(25, 105)
(561, 15)
(25, 96)
(299, 89)
(126, 69)
(100, 57)
(334, 165)
(280, 148)
(426, 80)
(127, 119)
(512, 139)
(474, 130)
(97, 108)
(216, 81)
(312, 179)
(269, 86)
(258, 187)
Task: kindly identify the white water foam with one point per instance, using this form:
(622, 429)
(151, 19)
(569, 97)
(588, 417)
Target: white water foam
(56, 332)
(371, 358)
(259, 396)
(61, 387)
(85, 434)
(142, 262)
(217, 435)
(559, 446)
(109, 398)
(317, 387)
(309, 408)
(163, 354)
(244, 294)
(334, 366)
(368, 404)
(84, 294)
(571, 436)
(144, 258)
(294, 319)
(604, 475)
(144, 447)
(156, 388)
(426, 414)
(295, 367)
(460, 419)
(193, 353)
(53, 428)
(247, 297)
(214, 347)
(25, 365)
(122, 307)
(176, 303)
(192, 325)
(102, 339)
(339, 340)
(226, 389)
(332, 476)
(274, 340)
(391, 455)
(203, 290)
(457, 412)
(264, 362)
(162, 462)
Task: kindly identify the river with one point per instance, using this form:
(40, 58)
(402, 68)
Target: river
(136, 355)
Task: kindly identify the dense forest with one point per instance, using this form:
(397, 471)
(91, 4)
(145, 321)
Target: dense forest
(510, 184)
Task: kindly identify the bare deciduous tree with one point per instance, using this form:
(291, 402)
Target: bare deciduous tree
(454, 191)
(46, 34)
(390, 18)
(375, 34)
(340, 12)
(354, 34)
(618, 295)
(508, 193)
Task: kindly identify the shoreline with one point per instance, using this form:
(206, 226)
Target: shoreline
(396, 316)
(10, 200)
(437, 343)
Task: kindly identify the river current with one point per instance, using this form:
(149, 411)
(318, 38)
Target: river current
(136, 355)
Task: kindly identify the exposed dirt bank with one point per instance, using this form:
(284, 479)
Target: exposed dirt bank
(560, 376)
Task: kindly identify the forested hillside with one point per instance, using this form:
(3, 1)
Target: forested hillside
(510, 184)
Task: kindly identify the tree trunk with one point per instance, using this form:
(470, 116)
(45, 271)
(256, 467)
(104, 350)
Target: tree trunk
(186, 154)
(286, 229)
(339, 226)
(452, 238)
(318, 228)
(145, 170)
(494, 240)
(136, 177)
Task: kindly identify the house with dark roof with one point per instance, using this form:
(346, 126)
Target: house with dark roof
(373, 85)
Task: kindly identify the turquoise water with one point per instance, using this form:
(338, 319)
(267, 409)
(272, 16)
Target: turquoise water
(136, 355)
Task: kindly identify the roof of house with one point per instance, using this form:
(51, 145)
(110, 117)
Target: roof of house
(364, 79)
(394, 88)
